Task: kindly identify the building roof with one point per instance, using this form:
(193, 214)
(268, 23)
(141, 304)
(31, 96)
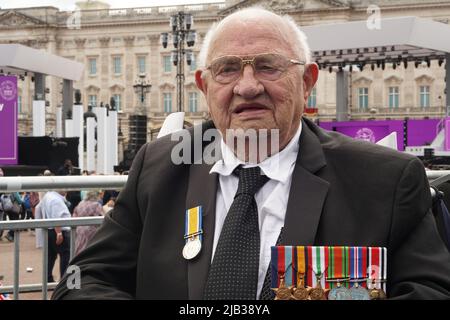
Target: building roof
(17, 58)
(392, 39)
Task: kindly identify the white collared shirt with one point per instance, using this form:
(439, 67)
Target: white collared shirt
(271, 199)
(53, 206)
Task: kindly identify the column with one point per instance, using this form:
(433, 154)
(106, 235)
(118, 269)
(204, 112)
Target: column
(78, 120)
(39, 105)
(102, 133)
(90, 144)
(67, 100)
(341, 96)
(59, 126)
(112, 141)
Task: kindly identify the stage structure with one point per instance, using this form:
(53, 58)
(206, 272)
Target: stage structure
(347, 47)
(18, 61)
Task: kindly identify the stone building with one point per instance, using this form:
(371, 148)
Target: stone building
(117, 45)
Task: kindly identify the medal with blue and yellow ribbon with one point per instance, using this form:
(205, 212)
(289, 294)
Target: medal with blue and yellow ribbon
(193, 233)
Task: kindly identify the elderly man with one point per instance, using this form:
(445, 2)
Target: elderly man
(202, 230)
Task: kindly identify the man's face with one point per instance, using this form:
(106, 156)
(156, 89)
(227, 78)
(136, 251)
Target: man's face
(249, 103)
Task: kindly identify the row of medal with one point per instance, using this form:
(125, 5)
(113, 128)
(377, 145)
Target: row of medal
(328, 273)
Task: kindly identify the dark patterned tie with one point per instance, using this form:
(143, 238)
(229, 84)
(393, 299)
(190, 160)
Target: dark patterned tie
(234, 271)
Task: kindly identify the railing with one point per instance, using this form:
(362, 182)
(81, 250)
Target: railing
(43, 224)
(67, 183)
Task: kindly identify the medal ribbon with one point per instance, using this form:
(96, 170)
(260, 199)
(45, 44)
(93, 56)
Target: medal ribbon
(193, 223)
(277, 264)
(377, 268)
(300, 263)
(289, 275)
(317, 263)
(339, 265)
(358, 264)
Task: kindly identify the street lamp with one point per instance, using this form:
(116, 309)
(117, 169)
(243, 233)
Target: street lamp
(141, 88)
(180, 24)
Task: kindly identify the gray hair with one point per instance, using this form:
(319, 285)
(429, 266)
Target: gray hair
(92, 195)
(300, 40)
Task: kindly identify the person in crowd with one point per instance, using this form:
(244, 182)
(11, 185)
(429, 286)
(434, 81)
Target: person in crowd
(53, 206)
(89, 207)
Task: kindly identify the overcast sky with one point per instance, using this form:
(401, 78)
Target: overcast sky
(70, 4)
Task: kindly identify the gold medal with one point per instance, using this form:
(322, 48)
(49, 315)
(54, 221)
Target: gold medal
(282, 292)
(300, 292)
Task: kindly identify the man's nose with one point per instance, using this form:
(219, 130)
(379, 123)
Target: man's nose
(248, 86)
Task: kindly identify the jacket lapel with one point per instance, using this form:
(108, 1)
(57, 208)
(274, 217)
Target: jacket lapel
(308, 191)
(202, 190)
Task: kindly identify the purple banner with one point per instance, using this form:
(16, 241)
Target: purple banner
(371, 131)
(8, 120)
(421, 132)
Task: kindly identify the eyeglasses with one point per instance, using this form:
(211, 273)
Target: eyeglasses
(266, 66)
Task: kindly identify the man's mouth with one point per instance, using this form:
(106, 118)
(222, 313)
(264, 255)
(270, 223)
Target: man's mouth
(249, 107)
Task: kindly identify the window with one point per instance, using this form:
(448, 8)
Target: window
(193, 65)
(167, 102)
(19, 104)
(117, 64)
(393, 97)
(167, 64)
(118, 99)
(141, 64)
(424, 96)
(312, 99)
(192, 101)
(92, 100)
(363, 95)
(92, 66)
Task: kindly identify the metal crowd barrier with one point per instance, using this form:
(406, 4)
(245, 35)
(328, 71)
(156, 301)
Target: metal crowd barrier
(43, 224)
(46, 183)
(65, 183)
(74, 183)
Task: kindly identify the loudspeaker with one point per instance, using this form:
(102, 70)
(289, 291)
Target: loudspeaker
(138, 132)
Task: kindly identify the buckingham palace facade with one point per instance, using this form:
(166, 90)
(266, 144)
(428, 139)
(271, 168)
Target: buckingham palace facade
(116, 46)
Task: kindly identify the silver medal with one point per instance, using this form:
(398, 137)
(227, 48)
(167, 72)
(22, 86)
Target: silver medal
(339, 293)
(192, 248)
(359, 293)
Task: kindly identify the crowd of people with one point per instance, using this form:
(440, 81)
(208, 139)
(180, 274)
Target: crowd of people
(57, 205)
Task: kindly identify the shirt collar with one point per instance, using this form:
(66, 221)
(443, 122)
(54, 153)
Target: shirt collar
(275, 167)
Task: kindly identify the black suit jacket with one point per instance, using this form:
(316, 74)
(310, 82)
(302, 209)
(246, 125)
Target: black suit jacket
(343, 192)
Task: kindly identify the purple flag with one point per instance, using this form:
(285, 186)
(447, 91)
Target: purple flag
(8, 120)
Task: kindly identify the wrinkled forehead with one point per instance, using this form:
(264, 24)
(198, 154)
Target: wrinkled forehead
(250, 36)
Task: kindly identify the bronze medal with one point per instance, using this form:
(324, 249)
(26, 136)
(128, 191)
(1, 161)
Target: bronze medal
(317, 293)
(300, 292)
(282, 292)
(376, 293)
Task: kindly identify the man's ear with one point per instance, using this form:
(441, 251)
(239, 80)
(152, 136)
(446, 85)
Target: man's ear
(199, 81)
(310, 78)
